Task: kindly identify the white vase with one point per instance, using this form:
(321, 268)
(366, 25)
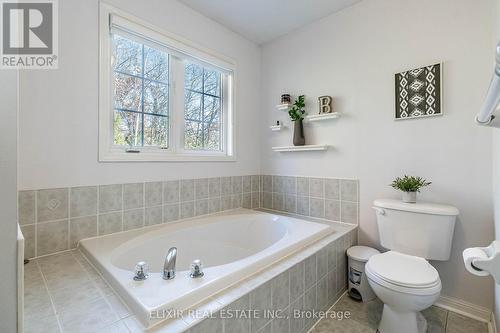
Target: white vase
(410, 197)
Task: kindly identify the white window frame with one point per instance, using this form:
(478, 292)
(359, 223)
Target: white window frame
(111, 18)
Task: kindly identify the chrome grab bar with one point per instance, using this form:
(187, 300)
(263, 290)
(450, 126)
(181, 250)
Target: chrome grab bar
(485, 116)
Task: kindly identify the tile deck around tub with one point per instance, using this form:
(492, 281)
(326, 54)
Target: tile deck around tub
(364, 318)
(64, 293)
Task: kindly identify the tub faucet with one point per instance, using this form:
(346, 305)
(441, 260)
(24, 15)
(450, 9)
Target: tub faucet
(169, 265)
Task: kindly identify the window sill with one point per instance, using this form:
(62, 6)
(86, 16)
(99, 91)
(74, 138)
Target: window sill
(163, 157)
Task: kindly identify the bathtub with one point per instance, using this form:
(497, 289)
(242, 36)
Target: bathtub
(231, 247)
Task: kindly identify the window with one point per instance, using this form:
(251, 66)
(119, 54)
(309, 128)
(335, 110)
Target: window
(140, 94)
(161, 98)
(202, 101)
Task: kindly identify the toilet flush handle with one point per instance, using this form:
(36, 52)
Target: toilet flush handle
(379, 211)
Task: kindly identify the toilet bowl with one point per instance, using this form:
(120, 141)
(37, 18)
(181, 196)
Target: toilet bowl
(402, 277)
(406, 285)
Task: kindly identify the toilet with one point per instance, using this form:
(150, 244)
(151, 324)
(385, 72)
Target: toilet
(402, 278)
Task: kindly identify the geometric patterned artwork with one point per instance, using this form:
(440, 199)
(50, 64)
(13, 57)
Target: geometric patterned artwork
(418, 92)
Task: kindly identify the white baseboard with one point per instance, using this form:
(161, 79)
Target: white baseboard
(464, 308)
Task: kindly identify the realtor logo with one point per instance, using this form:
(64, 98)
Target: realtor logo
(29, 34)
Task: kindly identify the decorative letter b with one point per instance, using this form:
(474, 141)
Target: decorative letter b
(325, 104)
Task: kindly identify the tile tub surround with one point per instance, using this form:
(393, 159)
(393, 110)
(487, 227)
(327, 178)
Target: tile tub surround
(81, 301)
(327, 198)
(54, 220)
(233, 245)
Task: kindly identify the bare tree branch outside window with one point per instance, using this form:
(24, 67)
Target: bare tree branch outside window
(141, 114)
(141, 99)
(202, 108)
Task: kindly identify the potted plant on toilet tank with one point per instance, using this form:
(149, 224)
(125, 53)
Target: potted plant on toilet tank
(296, 114)
(409, 186)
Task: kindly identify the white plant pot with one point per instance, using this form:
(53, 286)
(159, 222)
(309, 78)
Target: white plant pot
(410, 197)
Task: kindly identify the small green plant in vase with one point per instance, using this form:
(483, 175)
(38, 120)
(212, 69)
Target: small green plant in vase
(296, 114)
(409, 186)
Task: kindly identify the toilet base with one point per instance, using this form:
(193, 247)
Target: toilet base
(399, 321)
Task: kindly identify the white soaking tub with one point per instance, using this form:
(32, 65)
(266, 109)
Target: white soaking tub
(231, 247)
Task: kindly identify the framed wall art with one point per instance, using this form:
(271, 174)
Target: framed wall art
(419, 92)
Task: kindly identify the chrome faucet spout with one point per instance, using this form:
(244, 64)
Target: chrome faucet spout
(169, 265)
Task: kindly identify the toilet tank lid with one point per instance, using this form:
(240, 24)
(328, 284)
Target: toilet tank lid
(419, 207)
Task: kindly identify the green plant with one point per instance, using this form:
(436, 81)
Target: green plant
(409, 183)
(297, 111)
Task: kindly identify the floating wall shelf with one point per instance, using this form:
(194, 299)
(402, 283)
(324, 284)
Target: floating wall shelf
(301, 148)
(276, 128)
(322, 116)
(283, 107)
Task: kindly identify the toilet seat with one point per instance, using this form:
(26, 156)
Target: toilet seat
(403, 273)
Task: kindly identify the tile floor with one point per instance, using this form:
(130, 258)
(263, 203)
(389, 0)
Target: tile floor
(364, 318)
(64, 294)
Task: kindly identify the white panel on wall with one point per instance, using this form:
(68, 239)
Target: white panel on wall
(496, 165)
(8, 200)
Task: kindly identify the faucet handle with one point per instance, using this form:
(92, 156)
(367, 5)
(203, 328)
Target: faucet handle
(141, 271)
(196, 269)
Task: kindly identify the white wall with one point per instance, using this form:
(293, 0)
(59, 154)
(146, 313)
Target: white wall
(496, 165)
(59, 110)
(352, 56)
(8, 200)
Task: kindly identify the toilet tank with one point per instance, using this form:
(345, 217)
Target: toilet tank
(420, 229)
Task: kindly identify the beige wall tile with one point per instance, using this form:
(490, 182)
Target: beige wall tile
(82, 227)
(26, 202)
(52, 237)
(83, 201)
(52, 204)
